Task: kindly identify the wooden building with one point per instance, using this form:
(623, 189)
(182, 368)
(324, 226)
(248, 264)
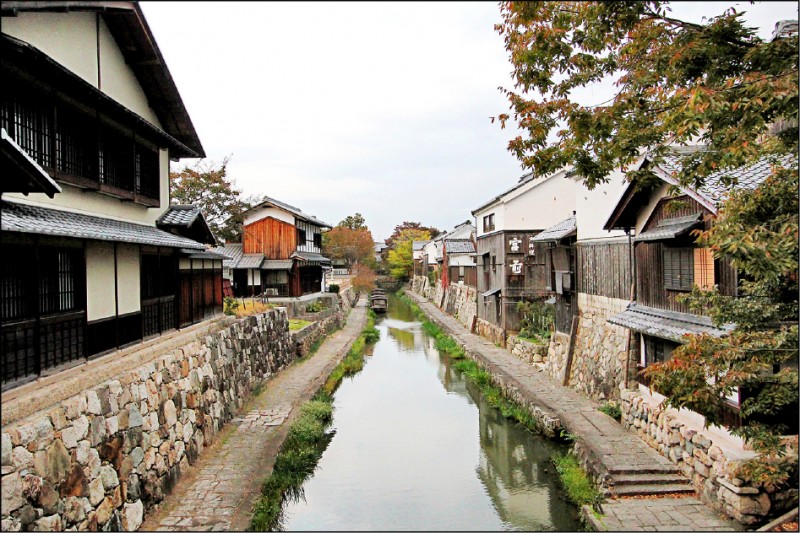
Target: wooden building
(668, 262)
(511, 266)
(280, 253)
(94, 258)
(559, 268)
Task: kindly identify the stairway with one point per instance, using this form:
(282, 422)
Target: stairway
(648, 481)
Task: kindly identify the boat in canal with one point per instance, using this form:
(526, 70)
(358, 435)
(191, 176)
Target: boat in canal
(378, 301)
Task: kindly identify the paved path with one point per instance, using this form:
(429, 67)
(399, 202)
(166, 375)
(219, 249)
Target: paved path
(217, 492)
(616, 449)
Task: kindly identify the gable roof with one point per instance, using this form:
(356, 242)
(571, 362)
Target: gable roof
(26, 218)
(272, 202)
(237, 258)
(710, 195)
(459, 246)
(187, 220)
(665, 324)
(130, 30)
(416, 246)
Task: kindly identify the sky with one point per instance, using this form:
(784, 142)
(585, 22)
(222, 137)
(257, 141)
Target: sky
(370, 107)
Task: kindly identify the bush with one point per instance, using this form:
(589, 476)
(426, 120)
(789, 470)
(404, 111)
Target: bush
(334, 288)
(612, 410)
(580, 489)
(536, 320)
(314, 307)
(230, 305)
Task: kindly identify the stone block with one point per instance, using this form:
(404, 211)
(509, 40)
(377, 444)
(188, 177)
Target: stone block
(74, 406)
(96, 491)
(74, 510)
(21, 458)
(104, 511)
(109, 477)
(93, 403)
(132, 515)
(57, 462)
(97, 430)
(49, 500)
(11, 489)
(48, 523)
(134, 417)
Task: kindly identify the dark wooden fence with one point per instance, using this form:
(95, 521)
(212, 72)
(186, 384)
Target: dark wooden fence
(604, 269)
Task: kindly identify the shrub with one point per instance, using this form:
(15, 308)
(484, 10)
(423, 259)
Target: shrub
(334, 288)
(314, 307)
(580, 489)
(536, 319)
(612, 410)
(230, 305)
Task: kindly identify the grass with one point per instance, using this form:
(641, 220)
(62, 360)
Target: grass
(579, 488)
(353, 362)
(441, 340)
(297, 323)
(495, 397)
(612, 410)
(296, 462)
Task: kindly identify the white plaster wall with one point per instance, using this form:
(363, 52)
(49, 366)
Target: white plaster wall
(540, 205)
(593, 207)
(497, 209)
(461, 260)
(128, 278)
(100, 280)
(71, 40)
(430, 251)
(464, 232)
(273, 212)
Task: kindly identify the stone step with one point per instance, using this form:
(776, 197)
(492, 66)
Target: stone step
(648, 479)
(650, 469)
(643, 490)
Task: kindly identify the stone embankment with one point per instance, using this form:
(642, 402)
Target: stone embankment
(618, 460)
(100, 457)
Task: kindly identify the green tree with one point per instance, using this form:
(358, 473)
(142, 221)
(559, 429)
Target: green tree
(400, 257)
(433, 232)
(679, 83)
(207, 185)
(353, 222)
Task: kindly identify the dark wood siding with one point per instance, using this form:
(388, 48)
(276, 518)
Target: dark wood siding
(604, 269)
(272, 237)
(679, 206)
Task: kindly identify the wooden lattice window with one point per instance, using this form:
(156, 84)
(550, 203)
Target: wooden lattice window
(678, 268)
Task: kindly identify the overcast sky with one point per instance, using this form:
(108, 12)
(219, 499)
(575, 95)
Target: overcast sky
(377, 108)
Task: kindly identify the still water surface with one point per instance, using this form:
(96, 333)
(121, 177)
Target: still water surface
(418, 448)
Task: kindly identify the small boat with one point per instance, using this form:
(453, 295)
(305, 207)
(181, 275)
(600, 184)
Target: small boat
(378, 301)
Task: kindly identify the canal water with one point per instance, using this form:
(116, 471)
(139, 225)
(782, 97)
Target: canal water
(416, 447)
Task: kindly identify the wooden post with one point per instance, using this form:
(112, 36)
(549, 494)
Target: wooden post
(570, 350)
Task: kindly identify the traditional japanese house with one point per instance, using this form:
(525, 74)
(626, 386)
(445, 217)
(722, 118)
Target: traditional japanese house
(90, 120)
(290, 243)
(418, 256)
(511, 266)
(458, 256)
(669, 263)
(559, 268)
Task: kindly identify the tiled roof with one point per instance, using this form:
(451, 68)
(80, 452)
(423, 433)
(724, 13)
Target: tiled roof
(206, 254)
(311, 257)
(293, 210)
(748, 177)
(238, 259)
(179, 215)
(418, 245)
(670, 228)
(277, 264)
(670, 325)
(459, 246)
(34, 219)
(556, 232)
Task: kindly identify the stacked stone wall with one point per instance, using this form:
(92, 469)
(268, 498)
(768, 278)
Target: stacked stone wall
(530, 352)
(490, 332)
(711, 469)
(601, 351)
(304, 339)
(460, 303)
(101, 458)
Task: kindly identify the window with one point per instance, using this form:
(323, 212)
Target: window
(494, 263)
(486, 262)
(318, 240)
(657, 350)
(678, 268)
(301, 237)
(488, 222)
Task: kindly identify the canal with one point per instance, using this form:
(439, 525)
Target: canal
(416, 447)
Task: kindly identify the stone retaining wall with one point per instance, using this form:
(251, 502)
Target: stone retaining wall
(704, 462)
(601, 351)
(526, 350)
(99, 459)
(489, 331)
(304, 339)
(460, 303)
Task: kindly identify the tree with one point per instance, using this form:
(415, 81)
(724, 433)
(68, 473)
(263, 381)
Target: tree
(353, 222)
(352, 245)
(401, 257)
(363, 279)
(207, 185)
(677, 83)
(433, 232)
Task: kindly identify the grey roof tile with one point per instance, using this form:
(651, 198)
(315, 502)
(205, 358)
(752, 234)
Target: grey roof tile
(277, 264)
(556, 232)
(250, 261)
(311, 257)
(664, 324)
(459, 246)
(290, 208)
(670, 228)
(26, 218)
(179, 215)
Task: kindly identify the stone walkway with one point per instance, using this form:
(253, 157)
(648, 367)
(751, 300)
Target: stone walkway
(217, 492)
(616, 450)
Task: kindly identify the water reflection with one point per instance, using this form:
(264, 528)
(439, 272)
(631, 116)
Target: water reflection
(418, 448)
